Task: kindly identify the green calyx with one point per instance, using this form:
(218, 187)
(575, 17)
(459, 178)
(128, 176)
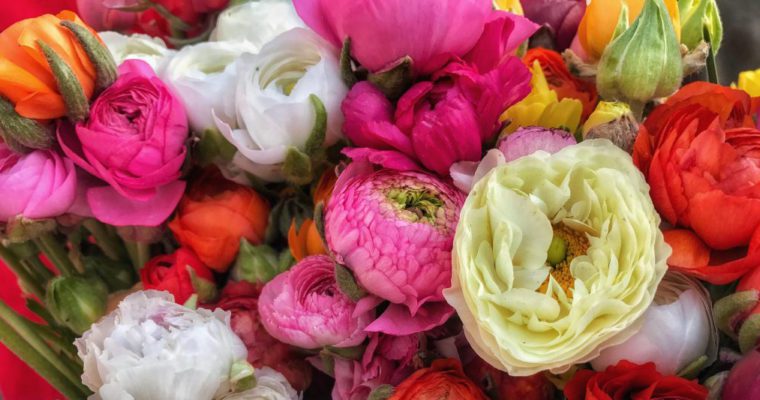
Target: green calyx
(698, 17)
(557, 251)
(416, 204)
(77, 104)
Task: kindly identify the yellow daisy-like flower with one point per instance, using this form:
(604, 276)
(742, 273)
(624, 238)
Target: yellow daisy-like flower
(543, 108)
(556, 257)
(749, 81)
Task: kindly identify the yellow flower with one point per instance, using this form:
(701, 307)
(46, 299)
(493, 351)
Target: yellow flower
(749, 81)
(543, 108)
(512, 6)
(556, 257)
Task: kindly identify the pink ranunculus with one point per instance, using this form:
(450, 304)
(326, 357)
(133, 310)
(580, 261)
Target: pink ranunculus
(431, 32)
(395, 231)
(305, 308)
(435, 123)
(134, 141)
(562, 17)
(241, 300)
(38, 185)
(102, 16)
(387, 360)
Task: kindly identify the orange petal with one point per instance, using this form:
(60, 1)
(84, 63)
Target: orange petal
(688, 250)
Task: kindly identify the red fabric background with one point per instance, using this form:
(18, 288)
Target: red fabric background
(16, 10)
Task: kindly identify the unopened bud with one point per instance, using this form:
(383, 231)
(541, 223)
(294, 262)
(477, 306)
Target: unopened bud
(613, 121)
(77, 302)
(257, 264)
(697, 18)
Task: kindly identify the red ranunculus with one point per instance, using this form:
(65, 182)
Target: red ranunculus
(700, 153)
(241, 299)
(181, 274)
(627, 380)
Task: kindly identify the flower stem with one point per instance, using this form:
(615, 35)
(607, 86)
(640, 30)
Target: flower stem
(29, 283)
(712, 66)
(56, 253)
(107, 242)
(139, 253)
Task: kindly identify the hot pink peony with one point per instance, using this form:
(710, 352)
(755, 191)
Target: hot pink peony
(430, 32)
(395, 231)
(134, 141)
(37, 185)
(305, 308)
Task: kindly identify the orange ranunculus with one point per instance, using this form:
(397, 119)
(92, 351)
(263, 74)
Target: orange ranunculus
(305, 241)
(26, 79)
(601, 18)
(214, 215)
(444, 380)
(561, 80)
(325, 186)
(700, 153)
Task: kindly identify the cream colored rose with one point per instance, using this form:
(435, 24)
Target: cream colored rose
(556, 257)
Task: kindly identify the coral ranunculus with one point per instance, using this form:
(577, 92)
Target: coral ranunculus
(181, 274)
(631, 381)
(444, 380)
(214, 215)
(26, 79)
(699, 154)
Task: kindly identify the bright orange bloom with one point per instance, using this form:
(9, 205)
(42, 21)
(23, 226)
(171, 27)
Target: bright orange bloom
(561, 80)
(26, 79)
(214, 215)
(444, 380)
(324, 188)
(305, 241)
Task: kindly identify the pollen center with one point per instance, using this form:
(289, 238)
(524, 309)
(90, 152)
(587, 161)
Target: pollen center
(415, 204)
(566, 245)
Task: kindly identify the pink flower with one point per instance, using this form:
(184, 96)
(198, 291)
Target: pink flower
(435, 123)
(431, 32)
(305, 308)
(241, 299)
(743, 381)
(395, 231)
(104, 17)
(134, 141)
(37, 185)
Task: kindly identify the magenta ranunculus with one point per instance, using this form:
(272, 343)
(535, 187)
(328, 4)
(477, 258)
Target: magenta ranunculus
(562, 17)
(431, 32)
(134, 141)
(38, 185)
(305, 308)
(395, 231)
(435, 123)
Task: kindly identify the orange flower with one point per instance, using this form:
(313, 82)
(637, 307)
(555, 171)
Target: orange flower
(306, 241)
(444, 380)
(324, 188)
(601, 18)
(26, 79)
(214, 215)
(561, 80)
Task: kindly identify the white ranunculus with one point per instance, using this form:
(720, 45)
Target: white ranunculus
(153, 348)
(272, 100)
(256, 22)
(204, 77)
(270, 385)
(138, 46)
(678, 329)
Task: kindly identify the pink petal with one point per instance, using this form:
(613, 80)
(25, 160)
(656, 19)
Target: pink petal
(503, 34)
(110, 207)
(386, 158)
(397, 321)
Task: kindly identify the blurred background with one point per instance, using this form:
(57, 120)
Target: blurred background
(741, 40)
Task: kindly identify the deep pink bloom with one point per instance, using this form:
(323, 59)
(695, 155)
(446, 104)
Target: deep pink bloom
(744, 381)
(435, 123)
(562, 17)
(395, 231)
(104, 17)
(38, 185)
(305, 308)
(134, 141)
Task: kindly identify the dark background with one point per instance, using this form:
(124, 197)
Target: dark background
(740, 50)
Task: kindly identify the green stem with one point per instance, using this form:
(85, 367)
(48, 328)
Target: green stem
(40, 269)
(16, 343)
(28, 282)
(56, 253)
(712, 66)
(59, 344)
(27, 331)
(107, 242)
(174, 21)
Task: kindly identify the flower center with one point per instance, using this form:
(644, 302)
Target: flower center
(565, 246)
(415, 204)
(285, 74)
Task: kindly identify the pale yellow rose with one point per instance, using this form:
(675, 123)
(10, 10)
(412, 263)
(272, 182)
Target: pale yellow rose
(556, 257)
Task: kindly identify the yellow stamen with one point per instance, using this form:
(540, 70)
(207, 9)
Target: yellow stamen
(576, 245)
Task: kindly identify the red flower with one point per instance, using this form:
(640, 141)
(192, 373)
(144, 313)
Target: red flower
(631, 381)
(700, 153)
(560, 79)
(241, 299)
(444, 380)
(500, 385)
(181, 274)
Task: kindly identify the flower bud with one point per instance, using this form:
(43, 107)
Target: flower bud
(613, 121)
(98, 53)
(20, 133)
(644, 62)
(259, 264)
(77, 302)
(698, 17)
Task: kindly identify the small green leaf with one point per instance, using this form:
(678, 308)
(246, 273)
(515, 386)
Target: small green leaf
(347, 284)
(346, 70)
(297, 167)
(319, 131)
(382, 392)
(394, 81)
(20, 133)
(77, 104)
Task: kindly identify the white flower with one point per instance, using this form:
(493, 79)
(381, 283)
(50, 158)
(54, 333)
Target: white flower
(204, 77)
(153, 348)
(140, 47)
(272, 100)
(257, 22)
(678, 329)
(270, 385)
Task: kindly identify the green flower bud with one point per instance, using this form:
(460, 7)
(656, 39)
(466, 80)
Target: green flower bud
(77, 302)
(698, 17)
(258, 264)
(644, 62)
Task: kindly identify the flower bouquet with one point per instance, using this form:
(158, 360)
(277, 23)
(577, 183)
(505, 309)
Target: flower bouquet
(380, 199)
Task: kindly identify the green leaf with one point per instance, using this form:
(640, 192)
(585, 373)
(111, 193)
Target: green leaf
(319, 132)
(297, 167)
(394, 81)
(347, 284)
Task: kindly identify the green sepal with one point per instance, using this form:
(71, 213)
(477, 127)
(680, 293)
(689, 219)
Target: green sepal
(396, 79)
(328, 362)
(242, 376)
(319, 220)
(346, 69)
(749, 333)
(297, 167)
(346, 353)
(192, 302)
(20, 133)
(729, 308)
(382, 392)
(691, 371)
(347, 283)
(77, 104)
(212, 148)
(315, 142)
(206, 290)
(106, 71)
(255, 264)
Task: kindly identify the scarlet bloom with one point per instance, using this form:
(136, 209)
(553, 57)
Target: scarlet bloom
(181, 274)
(631, 381)
(444, 380)
(699, 152)
(214, 215)
(561, 80)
